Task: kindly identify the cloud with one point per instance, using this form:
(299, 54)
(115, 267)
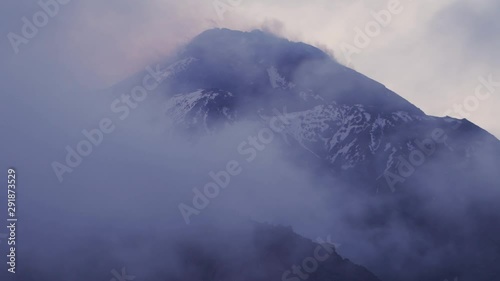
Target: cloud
(431, 54)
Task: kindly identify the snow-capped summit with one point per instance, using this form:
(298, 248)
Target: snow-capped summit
(351, 122)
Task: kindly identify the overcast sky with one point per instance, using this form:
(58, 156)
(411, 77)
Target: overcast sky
(430, 52)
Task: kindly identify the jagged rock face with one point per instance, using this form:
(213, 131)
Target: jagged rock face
(361, 132)
(275, 252)
(244, 251)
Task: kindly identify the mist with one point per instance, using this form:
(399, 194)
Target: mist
(131, 185)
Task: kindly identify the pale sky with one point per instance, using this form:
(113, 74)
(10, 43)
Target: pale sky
(430, 52)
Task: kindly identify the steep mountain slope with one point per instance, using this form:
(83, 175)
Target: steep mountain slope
(343, 117)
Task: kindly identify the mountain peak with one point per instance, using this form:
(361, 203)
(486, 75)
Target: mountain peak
(255, 44)
(338, 122)
(241, 63)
